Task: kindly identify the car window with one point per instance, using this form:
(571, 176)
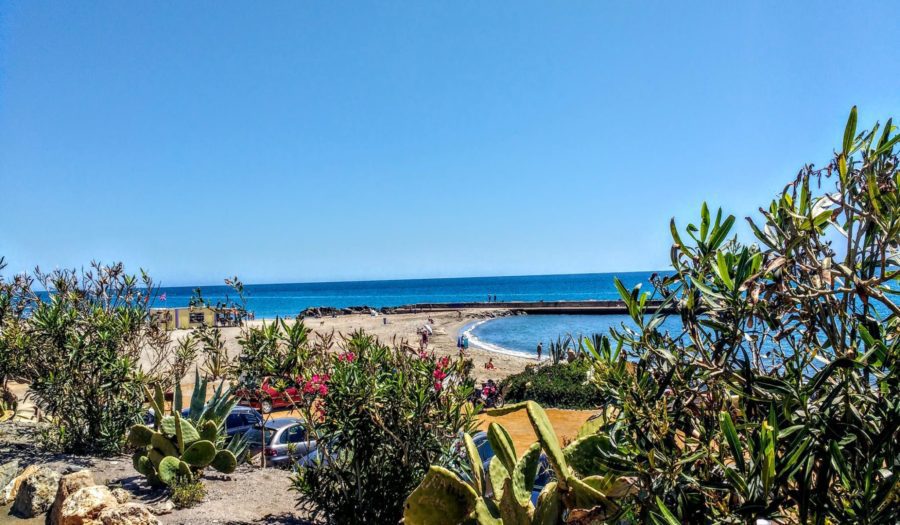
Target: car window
(294, 434)
(234, 420)
(249, 419)
(255, 435)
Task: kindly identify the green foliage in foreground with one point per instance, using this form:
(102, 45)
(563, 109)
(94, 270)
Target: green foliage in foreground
(381, 415)
(502, 495)
(778, 398)
(563, 385)
(79, 349)
(176, 450)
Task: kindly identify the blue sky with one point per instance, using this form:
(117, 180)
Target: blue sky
(305, 141)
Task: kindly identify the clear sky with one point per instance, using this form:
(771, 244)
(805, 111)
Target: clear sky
(305, 141)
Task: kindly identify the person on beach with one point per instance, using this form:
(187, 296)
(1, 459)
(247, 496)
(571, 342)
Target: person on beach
(540, 350)
(490, 364)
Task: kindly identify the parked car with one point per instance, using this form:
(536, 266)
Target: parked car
(267, 398)
(239, 420)
(281, 440)
(544, 474)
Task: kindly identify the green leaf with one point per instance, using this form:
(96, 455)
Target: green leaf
(704, 222)
(722, 271)
(850, 132)
(727, 426)
(666, 513)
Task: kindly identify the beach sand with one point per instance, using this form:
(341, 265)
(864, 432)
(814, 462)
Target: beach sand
(446, 326)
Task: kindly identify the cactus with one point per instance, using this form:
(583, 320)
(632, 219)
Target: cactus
(443, 497)
(174, 449)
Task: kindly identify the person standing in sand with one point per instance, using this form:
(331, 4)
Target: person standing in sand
(540, 350)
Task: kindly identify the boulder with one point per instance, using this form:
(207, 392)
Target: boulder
(36, 493)
(8, 472)
(68, 485)
(128, 514)
(84, 506)
(121, 495)
(12, 487)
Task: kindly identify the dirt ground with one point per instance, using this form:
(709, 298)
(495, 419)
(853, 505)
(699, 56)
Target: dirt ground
(565, 423)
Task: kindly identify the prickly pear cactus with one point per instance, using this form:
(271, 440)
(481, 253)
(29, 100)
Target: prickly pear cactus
(175, 449)
(502, 495)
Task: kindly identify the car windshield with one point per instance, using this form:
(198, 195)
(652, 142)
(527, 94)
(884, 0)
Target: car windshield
(255, 435)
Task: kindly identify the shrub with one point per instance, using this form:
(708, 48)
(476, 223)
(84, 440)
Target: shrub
(80, 349)
(187, 493)
(381, 415)
(563, 385)
(778, 400)
(16, 298)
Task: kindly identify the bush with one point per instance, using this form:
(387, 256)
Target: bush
(563, 385)
(80, 349)
(187, 493)
(381, 415)
(778, 399)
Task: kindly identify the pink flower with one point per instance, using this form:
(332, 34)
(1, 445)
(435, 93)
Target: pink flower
(347, 356)
(438, 387)
(323, 390)
(439, 374)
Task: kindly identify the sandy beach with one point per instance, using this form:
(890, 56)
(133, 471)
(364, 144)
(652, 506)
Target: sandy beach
(446, 326)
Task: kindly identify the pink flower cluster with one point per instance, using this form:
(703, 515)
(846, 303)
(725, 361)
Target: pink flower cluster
(317, 385)
(348, 357)
(440, 374)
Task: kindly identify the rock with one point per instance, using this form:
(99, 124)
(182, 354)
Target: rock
(165, 507)
(36, 493)
(121, 495)
(8, 472)
(68, 485)
(84, 506)
(128, 514)
(12, 488)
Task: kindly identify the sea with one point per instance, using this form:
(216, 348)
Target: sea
(518, 334)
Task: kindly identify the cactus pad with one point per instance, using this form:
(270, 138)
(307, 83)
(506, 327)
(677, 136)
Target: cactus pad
(140, 435)
(169, 469)
(188, 432)
(199, 454)
(441, 499)
(163, 444)
(209, 431)
(224, 462)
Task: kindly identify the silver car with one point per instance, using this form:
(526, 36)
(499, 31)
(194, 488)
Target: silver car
(281, 440)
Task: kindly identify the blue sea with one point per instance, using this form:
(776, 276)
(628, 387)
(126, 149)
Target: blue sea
(287, 300)
(519, 334)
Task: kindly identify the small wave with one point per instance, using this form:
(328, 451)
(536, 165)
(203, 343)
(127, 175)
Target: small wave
(490, 347)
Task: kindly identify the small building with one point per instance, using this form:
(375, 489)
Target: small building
(184, 318)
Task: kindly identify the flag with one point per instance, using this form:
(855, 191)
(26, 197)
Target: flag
(162, 297)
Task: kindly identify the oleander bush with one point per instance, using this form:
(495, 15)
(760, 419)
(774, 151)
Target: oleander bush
(381, 415)
(79, 346)
(778, 397)
(563, 385)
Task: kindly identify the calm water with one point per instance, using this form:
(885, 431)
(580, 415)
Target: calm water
(270, 300)
(521, 334)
